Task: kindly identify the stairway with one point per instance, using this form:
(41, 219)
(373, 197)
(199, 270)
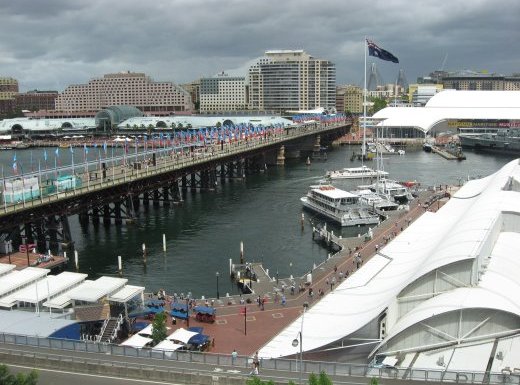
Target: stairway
(107, 333)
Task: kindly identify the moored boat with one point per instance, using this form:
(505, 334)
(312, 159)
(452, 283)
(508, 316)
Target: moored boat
(355, 173)
(391, 190)
(340, 206)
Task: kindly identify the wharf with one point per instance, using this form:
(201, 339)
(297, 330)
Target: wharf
(19, 259)
(241, 323)
(448, 155)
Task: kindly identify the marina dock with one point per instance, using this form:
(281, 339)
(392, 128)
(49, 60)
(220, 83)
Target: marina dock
(20, 259)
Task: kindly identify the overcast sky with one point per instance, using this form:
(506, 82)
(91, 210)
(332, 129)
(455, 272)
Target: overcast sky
(49, 44)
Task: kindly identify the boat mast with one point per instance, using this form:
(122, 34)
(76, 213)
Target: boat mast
(363, 148)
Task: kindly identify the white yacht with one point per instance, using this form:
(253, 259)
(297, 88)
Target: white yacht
(376, 201)
(391, 190)
(341, 206)
(355, 173)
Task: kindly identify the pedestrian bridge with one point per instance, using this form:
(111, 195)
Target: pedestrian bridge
(110, 187)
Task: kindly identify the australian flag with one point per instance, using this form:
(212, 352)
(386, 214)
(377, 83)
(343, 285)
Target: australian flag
(374, 50)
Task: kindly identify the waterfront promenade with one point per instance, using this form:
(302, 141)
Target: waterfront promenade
(229, 330)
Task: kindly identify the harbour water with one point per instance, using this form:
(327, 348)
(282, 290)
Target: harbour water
(263, 211)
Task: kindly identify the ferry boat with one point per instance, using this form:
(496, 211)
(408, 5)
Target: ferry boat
(391, 190)
(355, 173)
(340, 206)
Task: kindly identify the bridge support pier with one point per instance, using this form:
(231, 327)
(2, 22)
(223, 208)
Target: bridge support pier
(95, 215)
(117, 213)
(66, 235)
(146, 198)
(316, 148)
(106, 215)
(166, 196)
(222, 173)
(280, 158)
(193, 186)
(177, 195)
(184, 182)
(83, 218)
(156, 202)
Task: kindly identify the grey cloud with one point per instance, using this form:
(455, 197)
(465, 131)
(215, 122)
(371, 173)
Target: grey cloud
(52, 43)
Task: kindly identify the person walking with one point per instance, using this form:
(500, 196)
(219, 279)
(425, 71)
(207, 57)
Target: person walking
(234, 355)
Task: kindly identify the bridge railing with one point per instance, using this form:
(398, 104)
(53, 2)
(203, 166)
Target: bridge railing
(168, 159)
(336, 369)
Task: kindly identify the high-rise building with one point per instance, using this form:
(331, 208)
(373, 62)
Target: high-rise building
(223, 93)
(8, 92)
(291, 80)
(125, 88)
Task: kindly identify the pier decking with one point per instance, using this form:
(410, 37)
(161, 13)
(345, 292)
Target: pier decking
(19, 259)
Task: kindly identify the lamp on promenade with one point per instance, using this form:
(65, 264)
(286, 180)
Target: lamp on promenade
(299, 341)
(218, 294)
(25, 240)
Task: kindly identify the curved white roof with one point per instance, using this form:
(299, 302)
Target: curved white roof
(454, 105)
(453, 234)
(45, 124)
(494, 290)
(197, 121)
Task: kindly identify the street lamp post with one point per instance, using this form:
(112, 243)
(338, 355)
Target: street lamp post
(299, 341)
(218, 294)
(26, 240)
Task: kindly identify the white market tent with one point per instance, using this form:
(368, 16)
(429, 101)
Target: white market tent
(136, 341)
(168, 345)
(181, 335)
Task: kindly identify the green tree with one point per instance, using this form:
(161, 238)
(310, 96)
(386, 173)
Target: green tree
(7, 378)
(180, 126)
(218, 125)
(159, 328)
(257, 381)
(324, 379)
(379, 104)
(313, 379)
(374, 381)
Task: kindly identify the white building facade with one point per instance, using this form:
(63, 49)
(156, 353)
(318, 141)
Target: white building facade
(291, 80)
(222, 93)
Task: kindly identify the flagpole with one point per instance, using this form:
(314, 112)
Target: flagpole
(40, 179)
(4, 192)
(364, 101)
